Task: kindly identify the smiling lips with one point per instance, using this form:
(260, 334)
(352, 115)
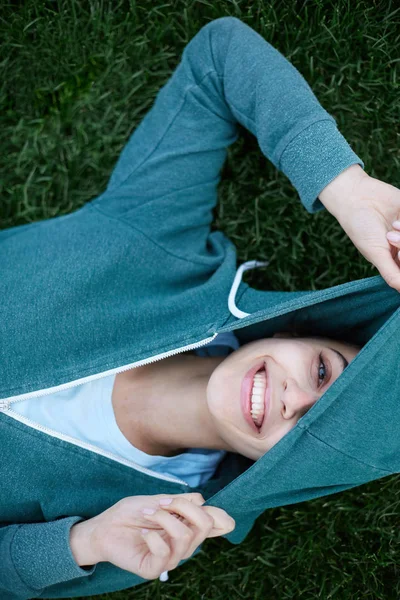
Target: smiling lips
(246, 397)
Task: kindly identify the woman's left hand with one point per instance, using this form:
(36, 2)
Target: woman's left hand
(366, 208)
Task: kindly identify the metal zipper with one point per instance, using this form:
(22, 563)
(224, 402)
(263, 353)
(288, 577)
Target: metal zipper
(5, 407)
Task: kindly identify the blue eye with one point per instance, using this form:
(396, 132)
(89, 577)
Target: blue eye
(321, 368)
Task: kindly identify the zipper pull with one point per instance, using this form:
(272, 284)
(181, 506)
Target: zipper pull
(4, 405)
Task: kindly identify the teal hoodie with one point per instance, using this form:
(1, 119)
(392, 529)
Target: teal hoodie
(136, 275)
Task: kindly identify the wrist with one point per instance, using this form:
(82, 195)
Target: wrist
(80, 544)
(341, 188)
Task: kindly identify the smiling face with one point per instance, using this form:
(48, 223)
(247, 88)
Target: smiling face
(298, 371)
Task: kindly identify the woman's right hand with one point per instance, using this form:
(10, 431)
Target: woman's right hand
(175, 531)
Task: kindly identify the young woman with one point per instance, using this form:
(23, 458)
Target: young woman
(188, 401)
(102, 307)
(173, 410)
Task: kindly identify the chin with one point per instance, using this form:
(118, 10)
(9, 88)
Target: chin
(252, 454)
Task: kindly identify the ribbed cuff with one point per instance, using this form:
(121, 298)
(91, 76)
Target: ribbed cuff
(42, 556)
(314, 158)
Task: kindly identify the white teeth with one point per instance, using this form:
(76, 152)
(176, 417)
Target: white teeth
(257, 401)
(257, 397)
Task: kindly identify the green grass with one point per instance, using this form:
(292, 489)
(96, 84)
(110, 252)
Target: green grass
(76, 80)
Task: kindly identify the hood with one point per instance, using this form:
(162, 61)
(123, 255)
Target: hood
(351, 435)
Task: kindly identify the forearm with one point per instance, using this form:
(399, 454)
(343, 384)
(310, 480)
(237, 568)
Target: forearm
(80, 544)
(337, 194)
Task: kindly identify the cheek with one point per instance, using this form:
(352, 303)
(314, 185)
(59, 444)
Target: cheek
(239, 362)
(218, 390)
(224, 385)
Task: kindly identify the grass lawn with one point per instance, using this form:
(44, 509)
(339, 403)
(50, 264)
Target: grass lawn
(77, 77)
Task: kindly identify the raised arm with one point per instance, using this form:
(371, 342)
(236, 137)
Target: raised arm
(165, 181)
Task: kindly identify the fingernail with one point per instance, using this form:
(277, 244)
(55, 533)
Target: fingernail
(396, 223)
(144, 531)
(148, 511)
(393, 237)
(165, 501)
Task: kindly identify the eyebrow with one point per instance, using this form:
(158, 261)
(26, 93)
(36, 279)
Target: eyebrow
(342, 358)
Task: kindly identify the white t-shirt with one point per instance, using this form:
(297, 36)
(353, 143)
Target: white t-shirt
(85, 412)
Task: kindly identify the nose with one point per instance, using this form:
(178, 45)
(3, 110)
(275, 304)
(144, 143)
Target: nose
(295, 400)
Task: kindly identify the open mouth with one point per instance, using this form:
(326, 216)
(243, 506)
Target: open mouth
(254, 394)
(257, 397)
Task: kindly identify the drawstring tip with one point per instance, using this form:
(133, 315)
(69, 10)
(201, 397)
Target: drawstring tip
(261, 263)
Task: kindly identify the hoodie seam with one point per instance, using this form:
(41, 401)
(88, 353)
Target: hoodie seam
(128, 224)
(184, 97)
(345, 454)
(120, 184)
(292, 140)
(14, 565)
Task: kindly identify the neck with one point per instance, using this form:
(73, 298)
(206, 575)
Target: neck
(162, 409)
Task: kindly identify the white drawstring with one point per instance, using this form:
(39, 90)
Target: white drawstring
(250, 264)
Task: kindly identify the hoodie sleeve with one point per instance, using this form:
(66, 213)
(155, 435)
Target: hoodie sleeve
(34, 556)
(270, 97)
(165, 181)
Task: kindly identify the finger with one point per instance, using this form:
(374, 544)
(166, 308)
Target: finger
(396, 225)
(154, 562)
(388, 269)
(181, 535)
(198, 520)
(394, 238)
(194, 497)
(223, 523)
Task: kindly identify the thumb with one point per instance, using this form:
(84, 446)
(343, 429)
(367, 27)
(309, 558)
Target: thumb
(154, 556)
(223, 523)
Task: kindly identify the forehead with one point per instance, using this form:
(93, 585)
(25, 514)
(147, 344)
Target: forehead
(331, 343)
